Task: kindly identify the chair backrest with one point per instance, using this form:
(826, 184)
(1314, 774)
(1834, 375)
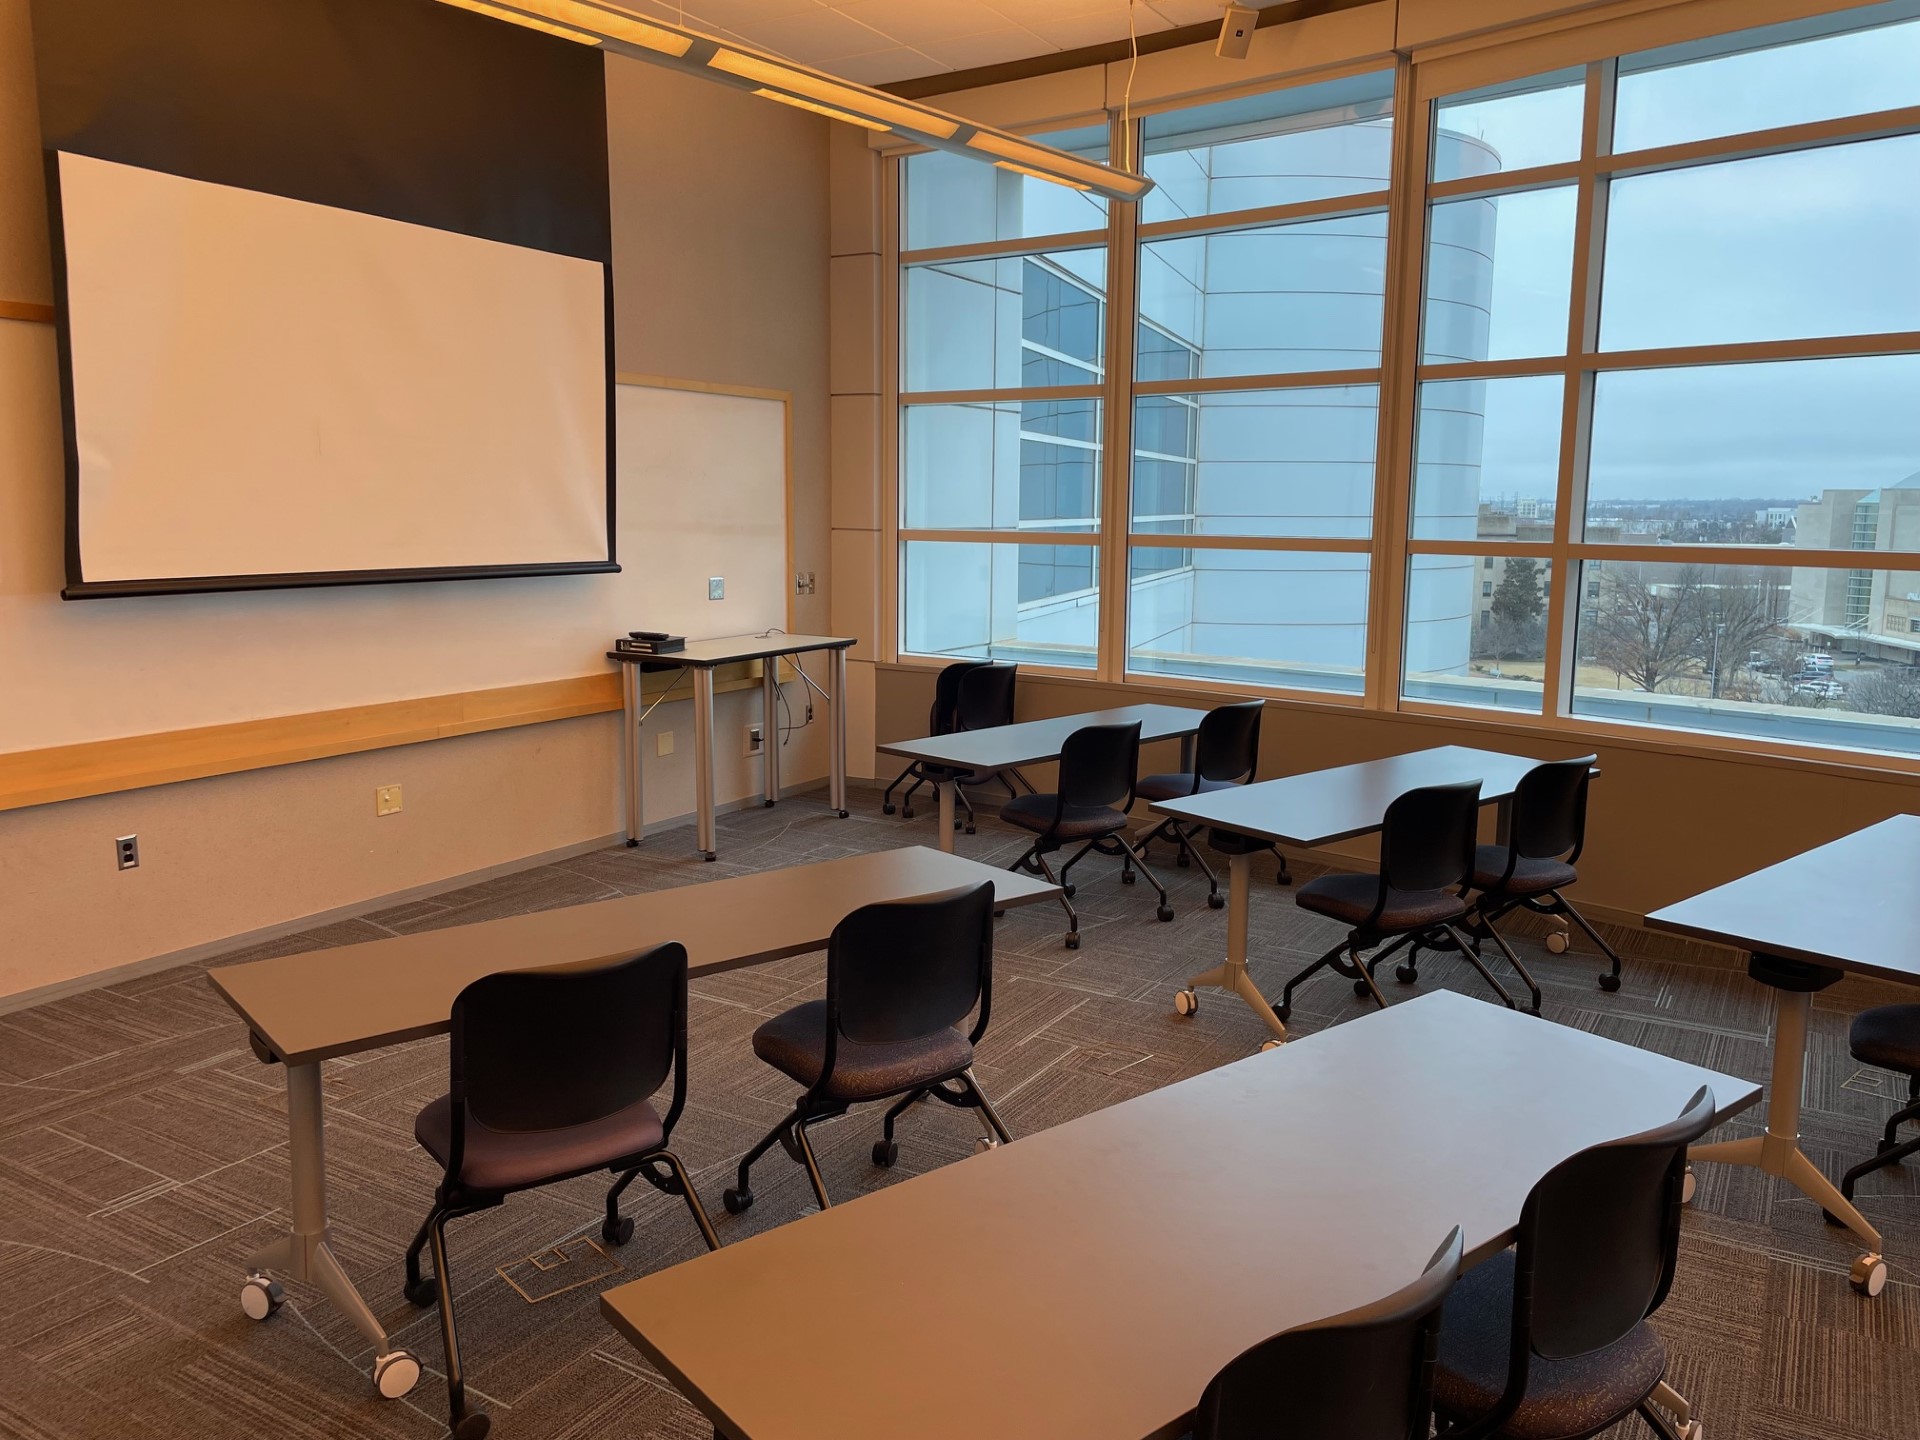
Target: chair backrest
(1550, 809)
(545, 1049)
(1428, 838)
(1228, 745)
(946, 696)
(904, 969)
(1099, 765)
(1365, 1375)
(1599, 1235)
(986, 697)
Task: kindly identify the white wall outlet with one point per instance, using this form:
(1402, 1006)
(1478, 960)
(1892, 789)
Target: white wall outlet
(716, 588)
(386, 800)
(663, 743)
(753, 740)
(126, 852)
(803, 583)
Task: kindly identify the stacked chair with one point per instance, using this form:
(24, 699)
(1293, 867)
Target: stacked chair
(1226, 753)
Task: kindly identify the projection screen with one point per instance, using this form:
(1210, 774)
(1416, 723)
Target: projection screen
(269, 392)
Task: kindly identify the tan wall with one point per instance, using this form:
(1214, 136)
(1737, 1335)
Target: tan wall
(1662, 824)
(720, 213)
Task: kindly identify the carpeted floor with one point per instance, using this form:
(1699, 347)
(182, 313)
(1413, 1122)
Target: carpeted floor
(142, 1157)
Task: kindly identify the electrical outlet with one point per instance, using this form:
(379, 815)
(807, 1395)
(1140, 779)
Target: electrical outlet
(663, 743)
(754, 738)
(386, 800)
(809, 710)
(716, 588)
(126, 852)
(803, 582)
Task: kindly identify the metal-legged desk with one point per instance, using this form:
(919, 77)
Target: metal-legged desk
(703, 657)
(1849, 905)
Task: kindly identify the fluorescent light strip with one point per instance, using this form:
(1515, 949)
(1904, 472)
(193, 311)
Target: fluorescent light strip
(1037, 175)
(1050, 163)
(824, 90)
(481, 7)
(607, 24)
(826, 110)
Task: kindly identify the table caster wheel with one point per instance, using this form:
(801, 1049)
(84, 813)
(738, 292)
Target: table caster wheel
(1186, 1002)
(887, 809)
(738, 1202)
(633, 844)
(472, 1426)
(1558, 942)
(422, 1292)
(1610, 982)
(1868, 1275)
(704, 855)
(1692, 1431)
(986, 1143)
(844, 814)
(971, 830)
(617, 1232)
(1073, 940)
(766, 804)
(1164, 913)
(260, 1296)
(1687, 1186)
(885, 1152)
(395, 1374)
(1216, 901)
(1266, 1045)
(1406, 974)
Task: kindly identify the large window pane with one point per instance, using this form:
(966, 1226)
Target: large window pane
(1001, 465)
(1804, 656)
(1727, 87)
(952, 200)
(1779, 247)
(1277, 300)
(1250, 617)
(1487, 458)
(1257, 462)
(1026, 603)
(1280, 148)
(1703, 454)
(1509, 127)
(1006, 322)
(1477, 630)
(1500, 276)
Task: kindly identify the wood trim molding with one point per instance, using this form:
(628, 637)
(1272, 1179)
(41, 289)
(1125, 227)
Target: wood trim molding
(31, 311)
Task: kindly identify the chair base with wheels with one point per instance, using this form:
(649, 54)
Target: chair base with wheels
(1888, 1038)
(1187, 853)
(1034, 862)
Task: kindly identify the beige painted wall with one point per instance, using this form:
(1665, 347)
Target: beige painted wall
(720, 214)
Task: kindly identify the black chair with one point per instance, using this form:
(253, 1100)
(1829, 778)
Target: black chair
(1546, 832)
(1426, 860)
(550, 1076)
(1549, 1340)
(1225, 754)
(901, 978)
(1888, 1037)
(985, 702)
(1364, 1375)
(1098, 766)
(940, 721)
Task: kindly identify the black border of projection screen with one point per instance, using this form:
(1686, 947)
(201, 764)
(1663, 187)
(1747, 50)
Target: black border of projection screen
(405, 110)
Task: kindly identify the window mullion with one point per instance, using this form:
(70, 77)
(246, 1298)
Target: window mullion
(1116, 470)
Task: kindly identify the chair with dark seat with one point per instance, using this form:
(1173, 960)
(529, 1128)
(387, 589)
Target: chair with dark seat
(902, 977)
(1364, 1375)
(1226, 752)
(940, 721)
(1888, 1037)
(1547, 829)
(551, 1075)
(1549, 1340)
(985, 702)
(1098, 768)
(1426, 860)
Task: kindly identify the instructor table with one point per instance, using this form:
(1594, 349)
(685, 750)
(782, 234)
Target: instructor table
(1853, 904)
(703, 657)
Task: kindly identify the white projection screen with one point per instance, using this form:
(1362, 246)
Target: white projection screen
(270, 392)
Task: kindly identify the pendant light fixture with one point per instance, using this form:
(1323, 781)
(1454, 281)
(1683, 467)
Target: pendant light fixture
(607, 25)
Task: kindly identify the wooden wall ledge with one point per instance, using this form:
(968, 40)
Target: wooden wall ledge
(29, 310)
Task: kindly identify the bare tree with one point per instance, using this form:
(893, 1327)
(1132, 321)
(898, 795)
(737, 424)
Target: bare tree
(1643, 631)
(1739, 609)
(1886, 692)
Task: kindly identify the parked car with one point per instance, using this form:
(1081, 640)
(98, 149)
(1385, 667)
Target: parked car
(1820, 689)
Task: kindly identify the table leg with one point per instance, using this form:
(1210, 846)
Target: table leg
(1186, 754)
(630, 718)
(944, 790)
(770, 726)
(1231, 975)
(304, 1252)
(703, 760)
(1777, 1152)
(837, 741)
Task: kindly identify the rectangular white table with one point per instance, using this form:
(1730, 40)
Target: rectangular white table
(1085, 1282)
(1034, 742)
(703, 657)
(1850, 905)
(303, 1009)
(1324, 807)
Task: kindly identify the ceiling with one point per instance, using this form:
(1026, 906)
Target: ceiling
(880, 41)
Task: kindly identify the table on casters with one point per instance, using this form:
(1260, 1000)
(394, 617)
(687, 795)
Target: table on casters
(1036, 742)
(1850, 905)
(1321, 807)
(703, 657)
(303, 1009)
(1086, 1281)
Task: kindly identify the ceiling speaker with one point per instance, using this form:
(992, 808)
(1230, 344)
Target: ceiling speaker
(1236, 32)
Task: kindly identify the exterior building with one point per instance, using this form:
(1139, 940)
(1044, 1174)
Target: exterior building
(1868, 611)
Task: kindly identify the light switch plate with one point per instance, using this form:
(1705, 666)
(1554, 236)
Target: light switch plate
(716, 588)
(663, 743)
(386, 800)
